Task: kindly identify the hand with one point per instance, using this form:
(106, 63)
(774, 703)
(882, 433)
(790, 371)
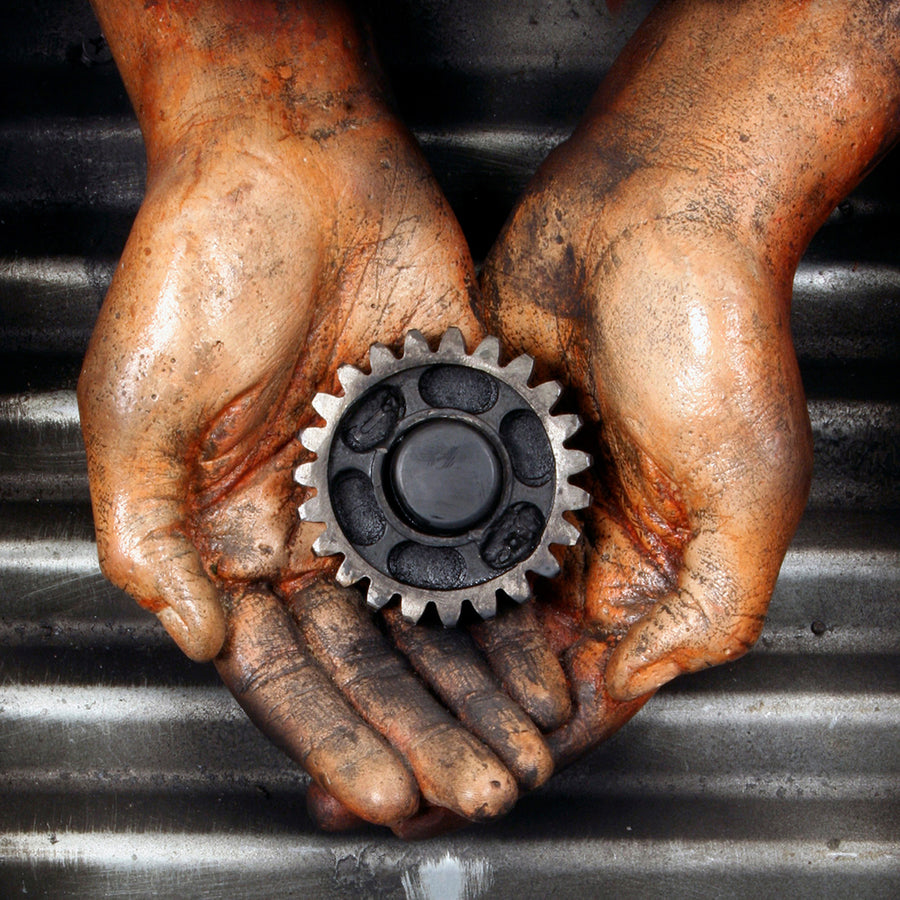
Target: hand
(649, 267)
(289, 222)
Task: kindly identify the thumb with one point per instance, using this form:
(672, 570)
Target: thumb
(143, 550)
(138, 494)
(713, 616)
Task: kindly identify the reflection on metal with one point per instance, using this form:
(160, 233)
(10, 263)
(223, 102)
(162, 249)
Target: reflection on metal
(127, 770)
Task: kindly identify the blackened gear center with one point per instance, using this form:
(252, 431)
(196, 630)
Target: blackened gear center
(445, 476)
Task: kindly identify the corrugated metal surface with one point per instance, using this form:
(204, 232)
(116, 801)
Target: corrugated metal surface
(127, 770)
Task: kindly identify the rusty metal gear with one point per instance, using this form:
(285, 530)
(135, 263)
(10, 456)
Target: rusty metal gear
(442, 476)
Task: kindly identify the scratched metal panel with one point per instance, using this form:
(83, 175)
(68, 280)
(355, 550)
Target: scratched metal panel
(126, 770)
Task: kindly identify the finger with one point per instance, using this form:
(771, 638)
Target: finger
(453, 769)
(521, 658)
(597, 715)
(448, 660)
(194, 617)
(328, 813)
(431, 822)
(713, 614)
(142, 550)
(287, 695)
(331, 815)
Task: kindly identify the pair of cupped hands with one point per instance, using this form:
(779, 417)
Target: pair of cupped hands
(290, 221)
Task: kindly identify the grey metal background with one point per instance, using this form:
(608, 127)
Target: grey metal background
(127, 770)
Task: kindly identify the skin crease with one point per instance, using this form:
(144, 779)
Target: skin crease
(289, 222)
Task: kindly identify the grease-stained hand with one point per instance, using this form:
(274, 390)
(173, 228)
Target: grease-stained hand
(649, 267)
(289, 222)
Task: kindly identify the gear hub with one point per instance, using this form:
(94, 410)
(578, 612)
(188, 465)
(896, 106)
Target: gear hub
(442, 476)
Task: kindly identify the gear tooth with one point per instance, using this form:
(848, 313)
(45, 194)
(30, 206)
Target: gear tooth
(452, 343)
(521, 368)
(576, 461)
(349, 377)
(326, 405)
(575, 497)
(519, 590)
(380, 358)
(569, 423)
(488, 351)
(449, 613)
(566, 534)
(377, 596)
(325, 545)
(311, 511)
(345, 575)
(412, 608)
(485, 604)
(546, 394)
(415, 345)
(313, 438)
(546, 564)
(303, 474)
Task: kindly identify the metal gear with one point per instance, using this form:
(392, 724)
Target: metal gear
(442, 476)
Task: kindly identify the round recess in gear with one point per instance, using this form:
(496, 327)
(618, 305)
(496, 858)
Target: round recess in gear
(442, 477)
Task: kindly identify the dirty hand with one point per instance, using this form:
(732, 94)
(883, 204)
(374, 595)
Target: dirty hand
(289, 222)
(650, 267)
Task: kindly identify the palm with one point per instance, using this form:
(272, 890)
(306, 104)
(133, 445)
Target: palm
(700, 452)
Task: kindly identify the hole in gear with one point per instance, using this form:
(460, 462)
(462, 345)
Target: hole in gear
(372, 419)
(514, 537)
(437, 568)
(528, 446)
(458, 387)
(356, 507)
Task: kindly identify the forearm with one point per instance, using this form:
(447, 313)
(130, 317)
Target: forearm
(189, 64)
(754, 118)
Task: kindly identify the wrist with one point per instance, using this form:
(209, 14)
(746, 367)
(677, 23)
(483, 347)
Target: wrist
(211, 65)
(754, 118)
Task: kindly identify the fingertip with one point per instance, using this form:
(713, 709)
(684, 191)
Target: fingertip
(491, 793)
(198, 628)
(390, 803)
(433, 822)
(377, 787)
(492, 796)
(533, 764)
(328, 813)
